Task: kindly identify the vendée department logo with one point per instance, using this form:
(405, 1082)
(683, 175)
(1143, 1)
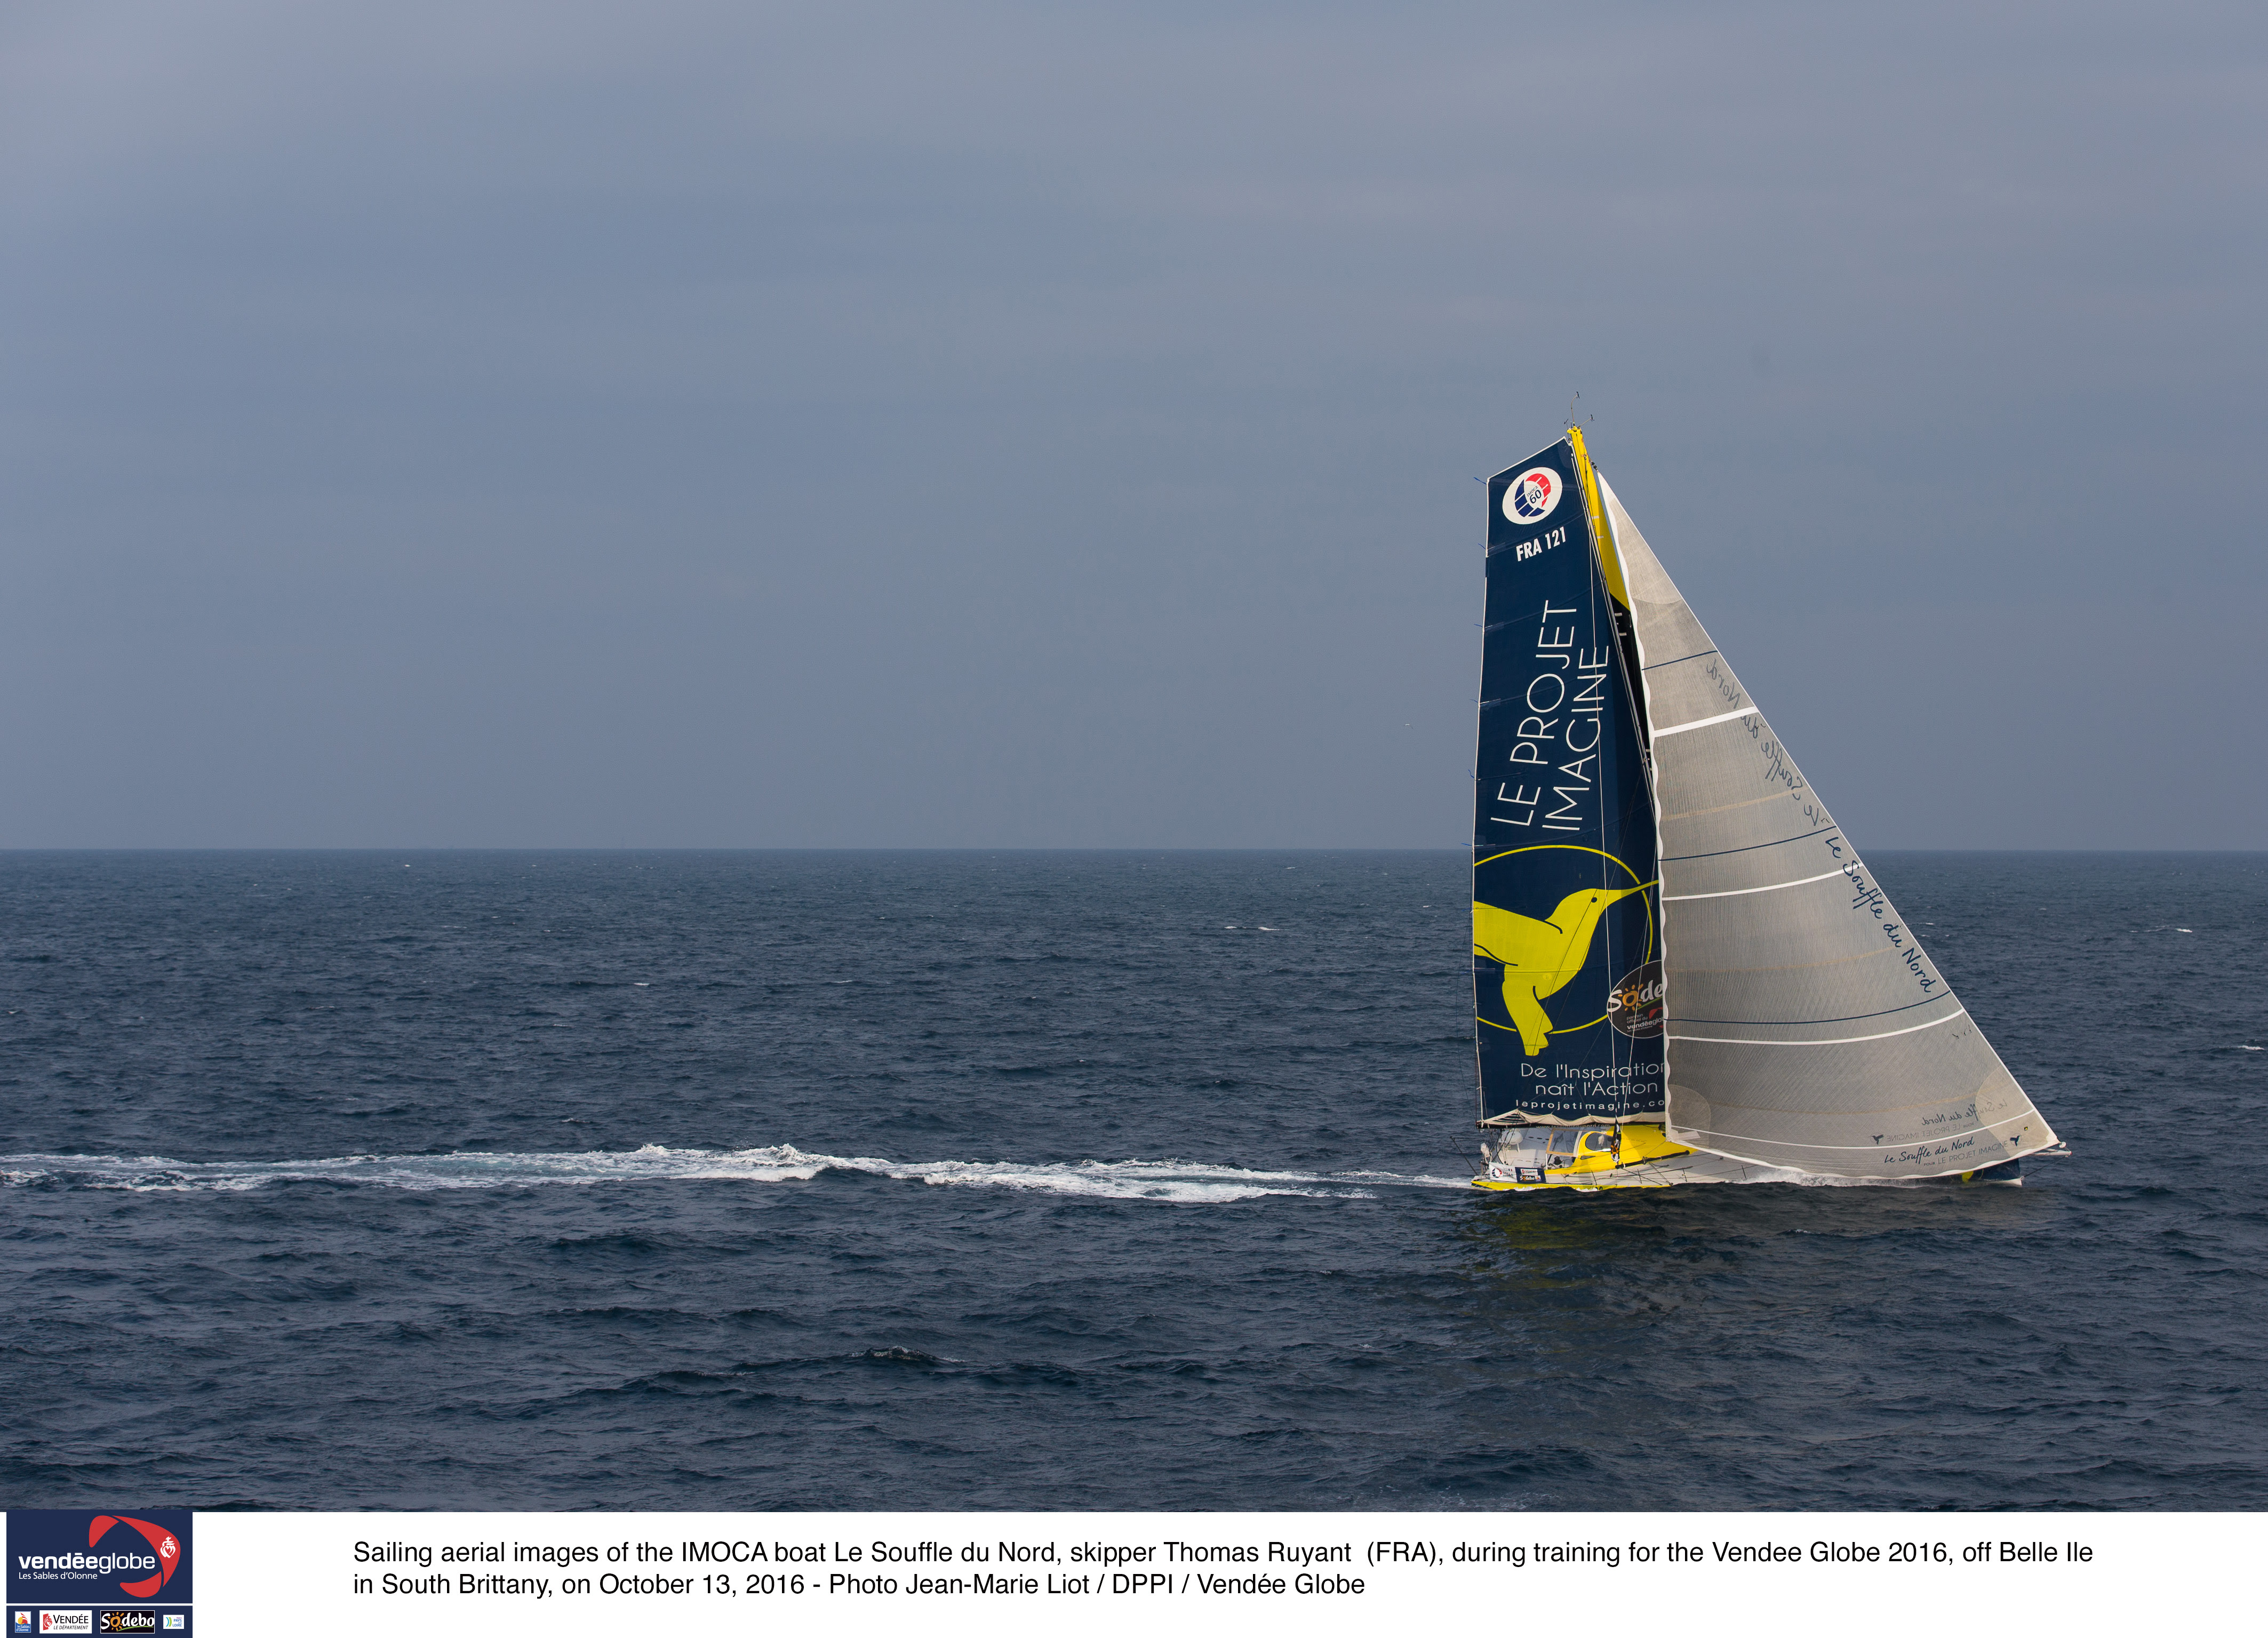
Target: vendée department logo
(1533, 495)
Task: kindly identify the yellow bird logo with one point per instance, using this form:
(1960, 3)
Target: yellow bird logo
(1540, 958)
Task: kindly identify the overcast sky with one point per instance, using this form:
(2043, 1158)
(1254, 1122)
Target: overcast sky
(482, 424)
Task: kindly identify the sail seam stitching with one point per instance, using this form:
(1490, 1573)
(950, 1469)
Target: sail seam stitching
(1847, 1040)
(1744, 1137)
(1849, 1018)
(1679, 858)
(1735, 893)
(1680, 660)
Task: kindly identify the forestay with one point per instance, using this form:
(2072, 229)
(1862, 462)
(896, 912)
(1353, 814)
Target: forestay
(1807, 1026)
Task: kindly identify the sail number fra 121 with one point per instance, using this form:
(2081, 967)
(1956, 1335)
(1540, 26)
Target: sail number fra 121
(1540, 545)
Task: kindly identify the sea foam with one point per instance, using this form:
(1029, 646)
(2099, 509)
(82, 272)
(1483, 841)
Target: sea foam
(1175, 1181)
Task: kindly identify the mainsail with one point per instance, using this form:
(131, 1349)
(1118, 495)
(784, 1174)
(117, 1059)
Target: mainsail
(1567, 934)
(1806, 1027)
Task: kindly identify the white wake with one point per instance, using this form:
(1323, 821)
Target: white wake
(1171, 1180)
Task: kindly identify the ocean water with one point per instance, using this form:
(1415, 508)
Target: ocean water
(1056, 1180)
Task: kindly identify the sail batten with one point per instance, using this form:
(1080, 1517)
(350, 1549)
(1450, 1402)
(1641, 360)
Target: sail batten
(1706, 722)
(1838, 1040)
(1735, 893)
(1744, 936)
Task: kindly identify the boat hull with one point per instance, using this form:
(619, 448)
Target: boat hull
(1528, 1159)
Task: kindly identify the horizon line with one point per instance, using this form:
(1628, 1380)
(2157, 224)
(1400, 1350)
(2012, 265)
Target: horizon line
(629, 848)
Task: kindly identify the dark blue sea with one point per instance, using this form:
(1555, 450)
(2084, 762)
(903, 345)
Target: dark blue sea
(756, 1180)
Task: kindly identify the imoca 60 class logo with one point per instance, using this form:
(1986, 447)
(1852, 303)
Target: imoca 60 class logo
(1533, 495)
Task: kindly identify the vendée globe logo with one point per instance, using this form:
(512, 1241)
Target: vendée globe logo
(1533, 495)
(163, 1558)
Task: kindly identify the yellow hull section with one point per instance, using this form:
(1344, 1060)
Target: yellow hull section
(1531, 1188)
(1597, 1153)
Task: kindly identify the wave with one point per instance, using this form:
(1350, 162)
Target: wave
(1171, 1180)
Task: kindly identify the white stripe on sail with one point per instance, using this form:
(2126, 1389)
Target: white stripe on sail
(1736, 892)
(1847, 1040)
(1706, 722)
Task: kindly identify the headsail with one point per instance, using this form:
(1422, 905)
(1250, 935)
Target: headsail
(1566, 934)
(1806, 1027)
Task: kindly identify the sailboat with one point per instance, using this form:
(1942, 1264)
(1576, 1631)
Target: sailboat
(1684, 971)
